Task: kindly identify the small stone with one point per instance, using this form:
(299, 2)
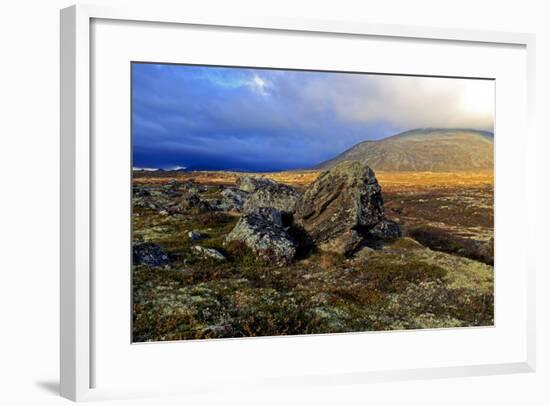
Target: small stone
(194, 235)
(209, 253)
(385, 230)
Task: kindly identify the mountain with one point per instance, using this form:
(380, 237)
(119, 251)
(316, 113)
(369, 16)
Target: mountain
(431, 149)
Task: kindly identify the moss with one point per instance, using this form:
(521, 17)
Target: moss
(406, 243)
(388, 275)
(401, 285)
(265, 311)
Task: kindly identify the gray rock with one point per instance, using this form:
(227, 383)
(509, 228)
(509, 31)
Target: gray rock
(233, 199)
(157, 200)
(190, 200)
(262, 231)
(277, 196)
(194, 235)
(209, 253)
(252, 183)
(149, 254)
(273, 215)
(192, 187)
(343, 243)
(141, 192)
(341, 206)
(385, 230)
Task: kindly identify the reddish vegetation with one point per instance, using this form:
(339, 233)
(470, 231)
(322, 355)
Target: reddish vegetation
(388, 180)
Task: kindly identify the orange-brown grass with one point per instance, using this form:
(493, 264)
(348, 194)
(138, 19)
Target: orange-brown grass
(440, 180)
(389, 180)
(296, 178)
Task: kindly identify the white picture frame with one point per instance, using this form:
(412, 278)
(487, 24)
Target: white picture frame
(76, 283)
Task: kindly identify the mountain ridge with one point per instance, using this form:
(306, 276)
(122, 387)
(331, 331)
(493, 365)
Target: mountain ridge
(423, 149)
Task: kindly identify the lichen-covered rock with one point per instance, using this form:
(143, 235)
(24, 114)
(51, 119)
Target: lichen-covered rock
(347, 197)
(233, 199)
(263, 232)
(153, 199)
(252, 183)
(343, 243)
(192, 187)
(149, 254)
(277, 196)
(191, 200)
(209, 253)
(385, 230)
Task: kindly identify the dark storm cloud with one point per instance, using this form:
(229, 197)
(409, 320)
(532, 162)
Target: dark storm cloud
(253, 119)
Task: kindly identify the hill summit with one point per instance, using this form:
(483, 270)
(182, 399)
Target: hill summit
(423, 150)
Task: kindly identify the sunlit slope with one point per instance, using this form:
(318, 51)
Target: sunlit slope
(427, 150)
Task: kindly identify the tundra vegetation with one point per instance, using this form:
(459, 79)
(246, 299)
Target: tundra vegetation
(225, 254)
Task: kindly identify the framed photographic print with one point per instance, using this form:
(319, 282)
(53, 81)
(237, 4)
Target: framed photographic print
(291, 202)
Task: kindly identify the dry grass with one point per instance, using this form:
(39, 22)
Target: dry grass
(401, 181)
(294, 178)
(389, 180)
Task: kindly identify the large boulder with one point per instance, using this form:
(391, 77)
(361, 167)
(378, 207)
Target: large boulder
(341, 207)
(262, 231)
(274, 195)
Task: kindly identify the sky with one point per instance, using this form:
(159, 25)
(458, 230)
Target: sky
(245, 119)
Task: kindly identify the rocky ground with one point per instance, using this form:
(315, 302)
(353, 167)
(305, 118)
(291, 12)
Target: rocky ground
(228, 255)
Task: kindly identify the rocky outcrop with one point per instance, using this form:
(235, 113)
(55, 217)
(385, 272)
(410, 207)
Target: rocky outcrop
(262, 231)
(191, 200)
(157, 200)
(192, 187)
(274, 195)
(252, 183)
(233, 199)
(149, 254)
(341, 207)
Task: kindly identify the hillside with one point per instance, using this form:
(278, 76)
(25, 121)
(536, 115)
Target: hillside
(431, 150)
